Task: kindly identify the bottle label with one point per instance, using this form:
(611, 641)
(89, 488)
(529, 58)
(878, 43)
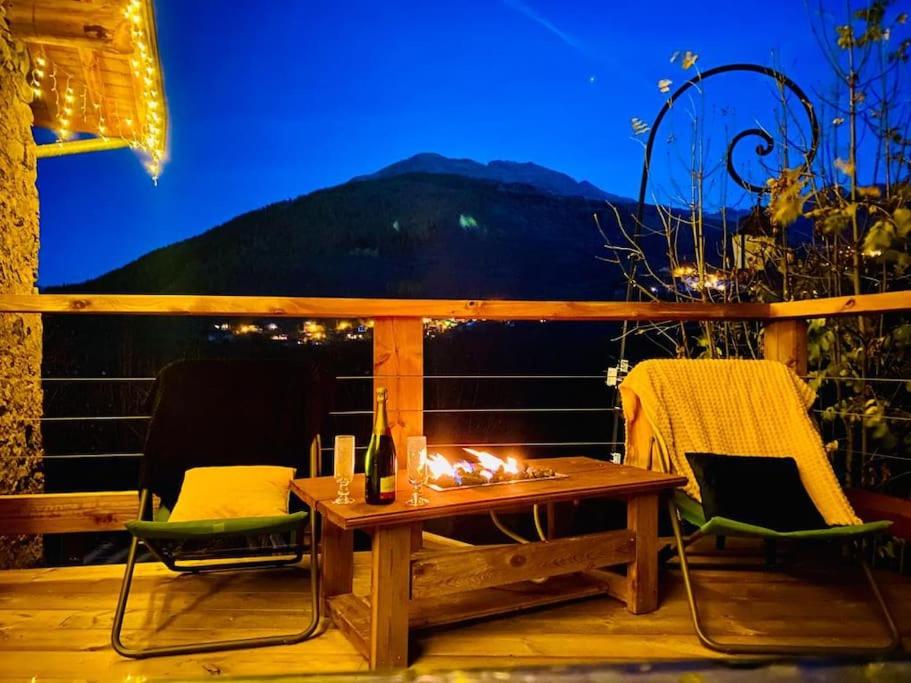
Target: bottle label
(387, 484)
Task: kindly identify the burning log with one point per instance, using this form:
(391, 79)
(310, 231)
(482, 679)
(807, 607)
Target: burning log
(469, 478)
(480, 468)
(500, 475)
(445, 481)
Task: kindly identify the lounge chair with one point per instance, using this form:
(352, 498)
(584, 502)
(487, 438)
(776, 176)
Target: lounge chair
(678, 410)
(213, 413)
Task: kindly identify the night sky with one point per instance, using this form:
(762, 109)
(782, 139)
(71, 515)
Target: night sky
(269, 100)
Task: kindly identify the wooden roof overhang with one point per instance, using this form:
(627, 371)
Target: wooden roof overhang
(95, 70)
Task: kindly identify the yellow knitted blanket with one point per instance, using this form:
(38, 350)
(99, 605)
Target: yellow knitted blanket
(730, 407)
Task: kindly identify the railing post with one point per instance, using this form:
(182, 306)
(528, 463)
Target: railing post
(786, 342)
(398, 365)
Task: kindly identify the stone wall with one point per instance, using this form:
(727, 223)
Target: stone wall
(20, 335)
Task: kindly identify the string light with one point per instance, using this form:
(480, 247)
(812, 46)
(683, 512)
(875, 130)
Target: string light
(147, 137)
(85, 104)
(66, 117)
(98, 109)
(39, 71)
(54, 88)
(65, 103)
(143, 128)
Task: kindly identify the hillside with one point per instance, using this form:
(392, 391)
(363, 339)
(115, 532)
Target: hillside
(397, 235)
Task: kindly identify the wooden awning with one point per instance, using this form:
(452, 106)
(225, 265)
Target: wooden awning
(95, 70)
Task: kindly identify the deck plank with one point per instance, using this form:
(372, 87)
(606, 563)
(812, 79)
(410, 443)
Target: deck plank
(54, 623)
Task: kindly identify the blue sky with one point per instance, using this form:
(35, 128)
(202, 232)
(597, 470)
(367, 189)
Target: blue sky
(269, 100)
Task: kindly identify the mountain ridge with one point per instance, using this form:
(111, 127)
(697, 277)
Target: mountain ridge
(514, 172)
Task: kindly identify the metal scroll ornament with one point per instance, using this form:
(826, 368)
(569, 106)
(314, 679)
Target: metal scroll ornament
(765, 147)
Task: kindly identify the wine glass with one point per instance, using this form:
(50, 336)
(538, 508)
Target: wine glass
(344, 467)
(417, 468)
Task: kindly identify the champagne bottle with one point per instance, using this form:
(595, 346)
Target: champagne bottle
(381, 462)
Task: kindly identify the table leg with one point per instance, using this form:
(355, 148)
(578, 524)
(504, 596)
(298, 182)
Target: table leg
(560, 519)
(642, 572)
(417, 537)
(337, 560)
(390, 575)
(551, 520)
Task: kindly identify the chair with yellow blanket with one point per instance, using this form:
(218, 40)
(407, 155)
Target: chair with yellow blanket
(740, 432)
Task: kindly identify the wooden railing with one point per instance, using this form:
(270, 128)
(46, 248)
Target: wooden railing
(398, 356)
(56, 513)
(303, 307)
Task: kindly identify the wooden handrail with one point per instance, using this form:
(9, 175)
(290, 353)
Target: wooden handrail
(315, 307)
(309, 307)
(865, 304)
(50, 513)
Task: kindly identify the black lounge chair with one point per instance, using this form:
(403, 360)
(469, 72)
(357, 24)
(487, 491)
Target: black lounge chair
(208, 413)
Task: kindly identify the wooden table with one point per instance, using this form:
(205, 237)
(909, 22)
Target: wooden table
(413, 589)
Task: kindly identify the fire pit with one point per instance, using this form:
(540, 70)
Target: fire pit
(480, 468)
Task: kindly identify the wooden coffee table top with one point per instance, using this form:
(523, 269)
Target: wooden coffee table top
(587, 478)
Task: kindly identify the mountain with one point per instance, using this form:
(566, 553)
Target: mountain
(527, 173)
(396, 234)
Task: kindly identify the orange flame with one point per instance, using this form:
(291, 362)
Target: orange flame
(488, 460)
(438, 466)
(491, 462)
(483, 464)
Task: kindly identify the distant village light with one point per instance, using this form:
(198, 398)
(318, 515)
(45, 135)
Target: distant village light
(317, 332)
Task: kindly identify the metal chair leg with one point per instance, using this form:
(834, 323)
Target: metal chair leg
(214, 646)
(770, 649)
(119, 613)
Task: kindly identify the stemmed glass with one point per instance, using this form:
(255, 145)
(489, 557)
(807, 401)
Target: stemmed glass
(344, 468)
(417, 469)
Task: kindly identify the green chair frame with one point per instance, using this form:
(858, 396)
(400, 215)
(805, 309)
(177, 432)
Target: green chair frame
(682, 507)
(147, 533)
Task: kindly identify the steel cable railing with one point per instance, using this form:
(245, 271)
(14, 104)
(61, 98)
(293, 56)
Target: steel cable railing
(437, 411)
(363, 413)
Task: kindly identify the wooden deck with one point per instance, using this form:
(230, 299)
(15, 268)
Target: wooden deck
(55, 623)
